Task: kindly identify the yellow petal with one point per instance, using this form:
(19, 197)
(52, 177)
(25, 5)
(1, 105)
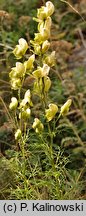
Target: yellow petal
(14, 103)
(21, 48)
(18, 134)
(51, 112)
(65, 107)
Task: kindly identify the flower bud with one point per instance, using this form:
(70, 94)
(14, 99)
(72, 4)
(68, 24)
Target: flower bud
(20, 49)
(51, 112)
(47, 83)
(18, 134)
(37, 125)
(14, 103)
(45, 46)
(65, 107)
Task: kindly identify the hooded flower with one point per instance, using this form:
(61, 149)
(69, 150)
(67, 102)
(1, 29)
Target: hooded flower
(37, 125)
(20, 49)
(41, 37)
(65, 107)
(45, 46)
(14, 103)
(41, 71)
(15, 83)
(46, 11)
(18, 71)
(51, 112)
(18, 134)
(47, 83)
(50, 59)
(29, 64)
(27, 100)
(25, 114)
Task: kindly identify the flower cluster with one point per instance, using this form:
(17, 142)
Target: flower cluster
(40, 43)
(39, 70)
(18, 73)
(40, 46)
(24, 105)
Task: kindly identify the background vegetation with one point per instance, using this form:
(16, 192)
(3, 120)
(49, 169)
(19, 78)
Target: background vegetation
(68, 39)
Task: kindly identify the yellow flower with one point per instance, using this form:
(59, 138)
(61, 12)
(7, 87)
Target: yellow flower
(29, 64)
(37, 125)
(18, 134)
(47, 83)
(40, 26)
(45, 46)
(50, 59)
(48, 23)
(26, 101)
(38, 86)
(50, 8)
(27, 97)
(14, 103)
(41, 71)
(20, 49)
(51, 112)
(15, 83)
(44, 31)
(46, 11)
(41, 13)
(36, 46)
(17, 71)
(25, 114)
(65, 107)
(41, 37)
(28, 112)
(37, 49)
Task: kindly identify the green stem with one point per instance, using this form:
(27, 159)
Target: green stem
(50, 134)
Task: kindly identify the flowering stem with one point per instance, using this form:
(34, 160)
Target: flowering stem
(50, 134)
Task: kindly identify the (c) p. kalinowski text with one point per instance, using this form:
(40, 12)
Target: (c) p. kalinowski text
(58, 207)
